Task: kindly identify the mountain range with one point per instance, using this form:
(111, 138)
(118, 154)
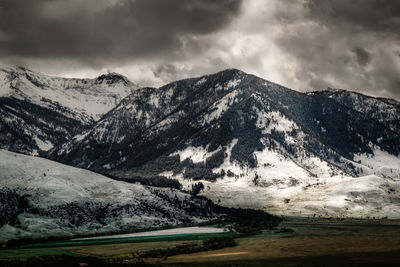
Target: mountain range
(250, 142)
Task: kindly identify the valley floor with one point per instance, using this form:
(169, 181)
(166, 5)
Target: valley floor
(314, 242)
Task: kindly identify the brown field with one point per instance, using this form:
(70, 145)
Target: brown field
(124, 248)
(321, 243)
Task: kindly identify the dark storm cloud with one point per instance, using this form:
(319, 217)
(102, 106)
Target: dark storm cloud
(368, 15)
(363, 57)
(345, 44)
(107, 30)
(302, 44)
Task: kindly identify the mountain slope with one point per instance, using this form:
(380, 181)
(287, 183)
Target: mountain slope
(29, 128)
(42, 198)
(39, 112)
(234, 129)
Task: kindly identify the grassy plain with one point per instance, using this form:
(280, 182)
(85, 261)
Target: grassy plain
(314, 242)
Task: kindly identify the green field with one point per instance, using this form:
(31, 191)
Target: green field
(24, 254)
(55, 248)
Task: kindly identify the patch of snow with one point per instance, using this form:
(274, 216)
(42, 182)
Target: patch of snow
(201, 81)
(80, 137)
(107, 166)
(381, 163)
(218, 87)
(167, 174)
(273, 120)
(272, 165)
(173, 231)
(154, 100)
(196, 154)
(218, 108)
(44, 146)
(233, 83)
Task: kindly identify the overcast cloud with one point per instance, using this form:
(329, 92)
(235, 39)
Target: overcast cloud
(305, 45)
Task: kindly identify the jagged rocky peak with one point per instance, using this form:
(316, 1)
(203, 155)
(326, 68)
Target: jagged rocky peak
(112, 78)
(7, 68)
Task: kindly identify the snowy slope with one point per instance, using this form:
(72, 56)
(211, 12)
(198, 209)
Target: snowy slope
(40, 198)
(339, 196)
(279, 186)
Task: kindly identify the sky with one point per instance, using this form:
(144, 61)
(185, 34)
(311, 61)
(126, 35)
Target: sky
(302, 44)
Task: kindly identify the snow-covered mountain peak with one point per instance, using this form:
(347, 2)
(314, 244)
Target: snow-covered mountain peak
(38, 111)
(87, 98)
